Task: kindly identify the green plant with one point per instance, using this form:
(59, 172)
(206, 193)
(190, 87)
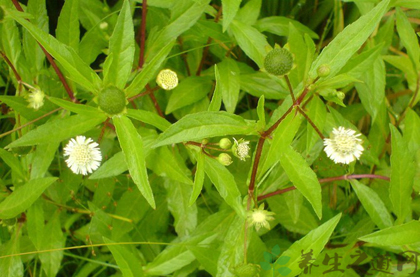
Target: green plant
(166, 137)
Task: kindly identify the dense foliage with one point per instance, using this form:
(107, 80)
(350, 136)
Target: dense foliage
(209, 138)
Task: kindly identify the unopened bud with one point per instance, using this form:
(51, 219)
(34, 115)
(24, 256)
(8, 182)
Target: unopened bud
(340, 95)
(278, 61)
(323, 70)
(225, 143)
(224, 159)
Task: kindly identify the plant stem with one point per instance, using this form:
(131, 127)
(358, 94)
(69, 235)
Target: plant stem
(142, 33)
(290, 88)
(326, 180)
(310, 122)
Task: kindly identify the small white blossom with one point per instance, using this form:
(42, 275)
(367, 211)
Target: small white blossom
(167, 79)
(36, 98)
(260, 217)
(83, 154)
(343, 146)
(241, 149)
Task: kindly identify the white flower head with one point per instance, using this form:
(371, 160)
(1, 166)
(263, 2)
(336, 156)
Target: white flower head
(83, 154)
(241, 149)
(167, 79)
(260, 217)
(36, 98)
(343, 146)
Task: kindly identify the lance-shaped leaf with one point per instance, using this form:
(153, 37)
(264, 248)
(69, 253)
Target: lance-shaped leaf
(59, 130)
(149, 118)
(76, 108)
(23, 197)
(373, 205)
(408, 233)
(77, 69)
(204, 125)
(12, 162)
(118, 64)
(126, 260)
(229, 77)
(230, 8)
(132, 146)
(402, 175)
(346, 43)
(312, 243)
(198, 178)
(225, 184)
(302, 177)
(68, 29)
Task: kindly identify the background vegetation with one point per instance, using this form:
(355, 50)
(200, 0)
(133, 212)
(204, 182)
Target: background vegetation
(161, 203)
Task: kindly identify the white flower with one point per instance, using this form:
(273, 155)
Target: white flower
(241, 149)
(84, 155)
(260, 217)
(343, 146)
(36, 98)
(167, 79)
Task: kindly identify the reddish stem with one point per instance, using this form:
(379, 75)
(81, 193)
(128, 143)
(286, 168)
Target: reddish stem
(142, 33)
(326, 180)
(310, 122)
(290, 88)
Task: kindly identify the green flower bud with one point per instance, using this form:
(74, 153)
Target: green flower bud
(224, 159)
(204, 141)
(278, 61)
(340, 95)
(112, 100)
(247, 270)
(323, 70)
(225, 143)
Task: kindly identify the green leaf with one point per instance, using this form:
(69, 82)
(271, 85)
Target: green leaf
(149, 118)
(77, 108)
(261, 111)
(164, 162)
(216, 100)
(402, 174)
(43, 157)
(260, 83)
(20, 105)
(11, 266)
(118, 64)
(229, 83)
(279, 25)
(23, 197)
(408, 38)
(149, 70)
(408, 233)
(185, 215)
(314, 241)
(115, 166)
(190, 90)
(250, 12)
(372, 204)
(251, 41)
(204, 125)
(68, 29)
(13, 163)
(347, 42)
(230, 8)
(225, 184)
(282, 138)
(35, 221)
(183, 17)
(372, 90)
(78, 71)
(132, 146)
(412, 131)
(302, 177)
(198, 178)
(58, 130)
(126, 260)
